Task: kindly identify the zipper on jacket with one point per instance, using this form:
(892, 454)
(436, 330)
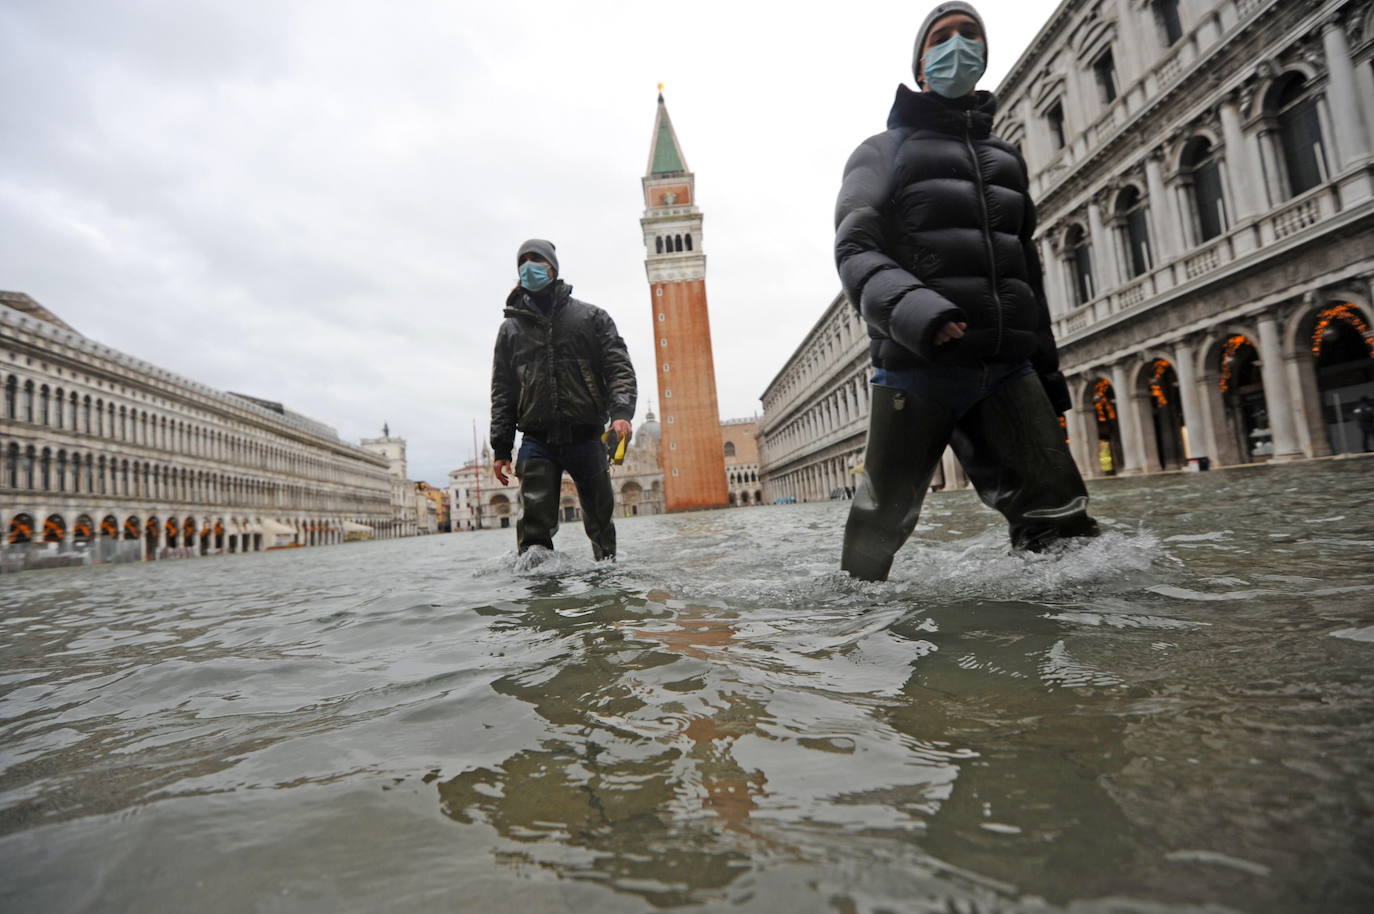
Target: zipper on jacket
(987, 229)
(555, 421)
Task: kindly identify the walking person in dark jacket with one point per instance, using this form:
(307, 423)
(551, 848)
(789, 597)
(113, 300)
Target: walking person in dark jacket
(560, 373)
(934, 246)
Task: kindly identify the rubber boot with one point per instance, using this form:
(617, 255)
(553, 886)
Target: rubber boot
(598, 507)
(906, 436)
(540, 481)
(1013, 450)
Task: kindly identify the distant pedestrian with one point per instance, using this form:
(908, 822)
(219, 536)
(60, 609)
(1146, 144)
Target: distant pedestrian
(1364, 414)
(934, 244)
(560, 373)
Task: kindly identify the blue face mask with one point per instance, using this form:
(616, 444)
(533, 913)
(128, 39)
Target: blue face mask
(534, 276)
(953, 66)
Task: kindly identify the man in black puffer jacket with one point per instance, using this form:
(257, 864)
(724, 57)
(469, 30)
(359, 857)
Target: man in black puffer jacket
(933, 243)
(560, 372)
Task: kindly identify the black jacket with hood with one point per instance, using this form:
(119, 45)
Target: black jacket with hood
(559, 373)
(934, 224)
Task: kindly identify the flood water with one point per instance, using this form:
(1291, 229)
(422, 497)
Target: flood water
(1178, 716)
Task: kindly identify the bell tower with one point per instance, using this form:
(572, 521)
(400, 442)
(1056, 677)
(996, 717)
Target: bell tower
(689, 449)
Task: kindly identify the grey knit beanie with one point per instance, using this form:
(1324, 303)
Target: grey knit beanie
(542, 248)
(940, 11)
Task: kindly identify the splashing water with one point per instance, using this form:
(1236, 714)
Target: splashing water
(1171, 717)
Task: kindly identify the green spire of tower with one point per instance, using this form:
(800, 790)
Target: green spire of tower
(665, 155)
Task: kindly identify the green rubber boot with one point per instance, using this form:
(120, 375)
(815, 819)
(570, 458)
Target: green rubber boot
(598, 509)
(1013, 450)
(539, 484)
(906, 437)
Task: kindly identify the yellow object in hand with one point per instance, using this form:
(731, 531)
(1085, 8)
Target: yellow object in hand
(615, 446)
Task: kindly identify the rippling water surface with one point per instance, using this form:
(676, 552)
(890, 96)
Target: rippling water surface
(1178, 716)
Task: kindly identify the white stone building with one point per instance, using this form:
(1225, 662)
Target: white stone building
(477, 501)
(1205, 187)
(405, 509)
(104, 457)
(739, 442)
(815, 412)
(638, 482)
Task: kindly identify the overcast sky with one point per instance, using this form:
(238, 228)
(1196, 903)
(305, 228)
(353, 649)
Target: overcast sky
(320, 202)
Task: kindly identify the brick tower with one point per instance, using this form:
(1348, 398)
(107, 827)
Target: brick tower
(690, 449)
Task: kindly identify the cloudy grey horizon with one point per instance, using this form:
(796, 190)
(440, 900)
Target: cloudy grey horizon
(319, 203)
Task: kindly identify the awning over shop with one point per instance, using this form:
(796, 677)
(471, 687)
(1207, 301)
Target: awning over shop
(351, 527)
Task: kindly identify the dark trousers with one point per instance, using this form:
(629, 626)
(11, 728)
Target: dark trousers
(540, 467)
(1004, 432)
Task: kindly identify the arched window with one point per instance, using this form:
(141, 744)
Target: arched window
(76, 472)
(1079, 250)
(688, 238)
(12, 466)
(11, 397)
(677, 243)
(1133, 228)
(86, 413)
(61, 471)
(26, 478)
(1166, 16)
(59, 402)
(1201, 174)
(729, 449)
(1294, 106)
(658, 245)
(44, 404)
(26, 403)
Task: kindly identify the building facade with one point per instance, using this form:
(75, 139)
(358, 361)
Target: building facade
(675, 263)
(815, 412)
(638, 482)
(104, 457)
(477, 501)
(739, 445)
(406, 510)
(1205, 190)
(1205, 187)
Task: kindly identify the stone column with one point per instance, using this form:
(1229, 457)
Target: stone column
(1200, 442)
(1104, 252)
(1276, 396)
(1128, 422)
(1352, 134)
(1168, 228)
(1052, 268)
(1083, 437)
(1243, 172)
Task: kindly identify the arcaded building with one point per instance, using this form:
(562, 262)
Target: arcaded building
(1204, 179)
(739, 444)
(104, 457)
(675, 263)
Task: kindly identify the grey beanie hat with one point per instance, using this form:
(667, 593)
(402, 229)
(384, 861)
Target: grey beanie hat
(940, 11)
(542, 248)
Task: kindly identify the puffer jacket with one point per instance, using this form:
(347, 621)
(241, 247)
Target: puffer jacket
(934, 224)
(559, 377)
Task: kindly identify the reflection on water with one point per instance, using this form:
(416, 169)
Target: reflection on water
(1173, 717)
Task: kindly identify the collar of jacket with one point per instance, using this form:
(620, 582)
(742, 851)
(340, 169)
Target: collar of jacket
(932, 111)
(519, 304)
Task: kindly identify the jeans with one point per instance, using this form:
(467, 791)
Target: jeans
(583, 461)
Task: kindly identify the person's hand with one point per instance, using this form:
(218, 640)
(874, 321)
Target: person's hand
(952, 330)
(622, 428)
(502, 470)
